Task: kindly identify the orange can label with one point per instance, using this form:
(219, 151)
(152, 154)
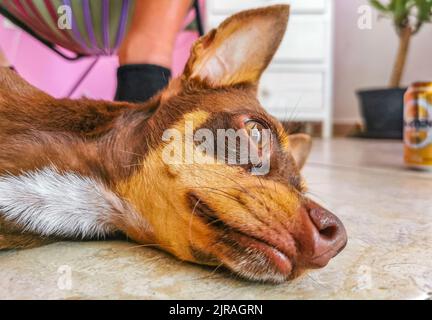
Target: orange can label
(418, 125)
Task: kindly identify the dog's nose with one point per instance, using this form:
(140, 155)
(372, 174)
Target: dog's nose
(328, 236)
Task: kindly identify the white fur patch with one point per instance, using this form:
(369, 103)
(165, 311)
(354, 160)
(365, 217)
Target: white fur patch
(51, 203)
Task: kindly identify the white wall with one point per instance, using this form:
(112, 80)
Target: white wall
(364, 58)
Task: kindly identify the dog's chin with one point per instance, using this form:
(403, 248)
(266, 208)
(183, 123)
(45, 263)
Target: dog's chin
(256, 260)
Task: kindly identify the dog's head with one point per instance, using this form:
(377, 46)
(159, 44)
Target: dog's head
(213, 201)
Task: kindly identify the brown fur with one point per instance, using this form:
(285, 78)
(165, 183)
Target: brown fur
(12, 237)
(209, 214)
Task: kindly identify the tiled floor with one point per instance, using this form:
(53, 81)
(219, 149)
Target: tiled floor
(387, 211)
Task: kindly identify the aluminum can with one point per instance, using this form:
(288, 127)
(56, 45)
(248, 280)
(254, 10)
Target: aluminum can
(418, 126)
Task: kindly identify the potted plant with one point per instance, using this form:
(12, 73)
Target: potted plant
(382, 109)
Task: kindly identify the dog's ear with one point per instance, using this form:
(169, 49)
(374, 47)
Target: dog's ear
(300, 147)
(240, 49)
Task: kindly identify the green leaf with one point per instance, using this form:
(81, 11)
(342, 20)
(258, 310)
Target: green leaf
(413, 13)
(392, 5)
(378, 5)
(424, 8)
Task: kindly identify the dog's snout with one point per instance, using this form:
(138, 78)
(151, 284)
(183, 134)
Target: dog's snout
(328, 225)
(328, 236)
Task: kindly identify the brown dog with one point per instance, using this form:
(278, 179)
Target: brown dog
(82, 169)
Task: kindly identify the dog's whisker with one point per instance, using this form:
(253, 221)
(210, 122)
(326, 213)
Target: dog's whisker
(191, 219)
(153, 245)
(219, 192)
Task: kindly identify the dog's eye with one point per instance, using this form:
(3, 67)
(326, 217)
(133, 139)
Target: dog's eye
(255, 130)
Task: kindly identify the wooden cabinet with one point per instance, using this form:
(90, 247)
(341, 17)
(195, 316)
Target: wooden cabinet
(298, 84)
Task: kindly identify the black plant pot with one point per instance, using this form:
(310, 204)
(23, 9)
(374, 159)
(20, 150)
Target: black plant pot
(382, 111)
